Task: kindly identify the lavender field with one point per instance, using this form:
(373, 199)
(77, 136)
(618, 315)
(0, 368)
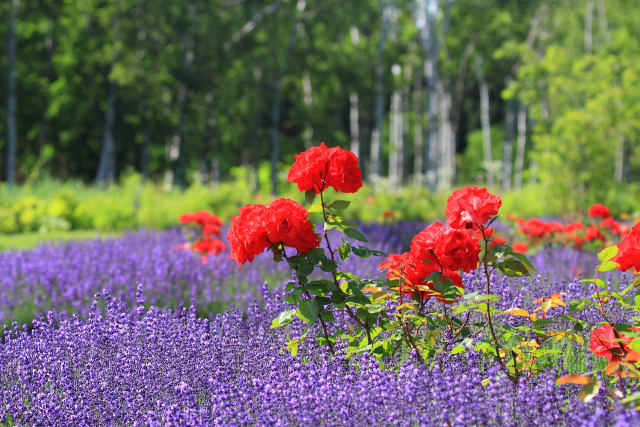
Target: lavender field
(134, 331)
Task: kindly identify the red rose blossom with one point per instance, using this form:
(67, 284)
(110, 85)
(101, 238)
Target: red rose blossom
(520, 247)
(247, 236)
(287, 224)
(605, 344)
(599, 210)
(448, 248)
(593, 233)
(258, 227)
(629, 251)
(471, 206)
(321, 167)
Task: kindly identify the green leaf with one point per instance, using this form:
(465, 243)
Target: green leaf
(514, 268)
(310, 196)
(329, 266)
(292, 346)
(361, 251)
(308, 311)
(607, 253)
(327, 316)
(284, 318)
(575, 306)
(608, 265)
(344, 250)
(340, 205)
(458, 349)
(354, 233)
(305, 269)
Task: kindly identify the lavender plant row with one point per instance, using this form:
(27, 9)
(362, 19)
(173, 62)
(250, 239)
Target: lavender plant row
(68, 276)
(151, 367)
(133, 363)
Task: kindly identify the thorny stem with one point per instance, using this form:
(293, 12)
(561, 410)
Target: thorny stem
(488, 278)
(365, 325)
(324, 326)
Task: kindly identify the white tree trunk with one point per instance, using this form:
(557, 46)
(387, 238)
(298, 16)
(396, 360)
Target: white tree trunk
(620, 160)
(418, 123)
(447, 145)
(354, 124)
(521, 146)
(485, 123)
(588, 27)
(376, 135)
(395, 133)
(507, 147)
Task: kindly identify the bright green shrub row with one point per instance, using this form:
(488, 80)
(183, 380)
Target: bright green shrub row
(57, 206)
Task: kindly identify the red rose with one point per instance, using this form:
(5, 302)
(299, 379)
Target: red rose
(247, 233)
(310, 169)
(209, 245)
(471, 206)
(448, 248)
(287, 224)
(424, 243)
(593, 233)
(520, 247)
(201, 218)
(629, 251)
(604, 343)
(321, 167)
(599, 210)
(457, 250)
(535, 227)
(258, 227)
(344, 173)
(572, 227)
(611, 224)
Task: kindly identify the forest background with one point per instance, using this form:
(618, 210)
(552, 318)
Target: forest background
(115, 108)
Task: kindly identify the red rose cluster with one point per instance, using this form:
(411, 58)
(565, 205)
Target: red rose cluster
(575, 233)
(629, 251)
(321, 167)
(446, 249)
(207, 243)
(259, 227)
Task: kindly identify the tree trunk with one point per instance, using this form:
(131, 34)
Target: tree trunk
(375, 155)
(418, 123)
(507, 147)
(406, 122)
(277, 84)
(588, 27)
(12, 75)
(485, 123)
(620, 160)
(395, 133)
(521, 145)
(107, 165)
(426, 23)
(447, 151)
(354, 125)
(307, 134)
(604, 25)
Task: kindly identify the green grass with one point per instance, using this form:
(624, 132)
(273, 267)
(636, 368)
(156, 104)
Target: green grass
(31, 240)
